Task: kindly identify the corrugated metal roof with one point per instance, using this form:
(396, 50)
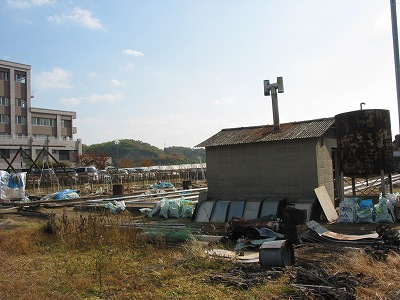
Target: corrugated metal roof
(266, 133)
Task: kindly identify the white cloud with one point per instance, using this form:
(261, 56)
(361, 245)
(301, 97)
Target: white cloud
(21, 4)
(111, 97)
(70, 101)
(56, 78)
(133, 52)
(223, 101)
(115, 82)
(80, 16)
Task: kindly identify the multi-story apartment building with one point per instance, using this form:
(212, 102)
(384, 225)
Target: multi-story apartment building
(31, 129)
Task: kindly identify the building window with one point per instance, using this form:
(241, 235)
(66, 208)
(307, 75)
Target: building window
(4, 75)
(4, 119)
(19, 77)
(21, 120)
(65, 123)
(43, 122)
(26, 154)
(20, 102)
(4, 101)
(5, 153)
(63, 155)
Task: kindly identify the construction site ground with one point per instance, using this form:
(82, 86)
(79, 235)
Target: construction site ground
(310, 254)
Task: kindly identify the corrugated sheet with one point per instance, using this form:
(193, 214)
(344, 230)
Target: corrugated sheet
(266, 133)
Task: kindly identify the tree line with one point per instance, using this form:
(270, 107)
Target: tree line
(131, 153)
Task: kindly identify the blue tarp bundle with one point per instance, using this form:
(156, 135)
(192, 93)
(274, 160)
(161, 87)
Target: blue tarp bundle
(162, 185)
(66, 194)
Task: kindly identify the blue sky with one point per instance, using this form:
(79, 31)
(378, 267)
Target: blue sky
(175, 72)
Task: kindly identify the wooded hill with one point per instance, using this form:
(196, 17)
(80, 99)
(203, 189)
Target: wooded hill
(137, 153)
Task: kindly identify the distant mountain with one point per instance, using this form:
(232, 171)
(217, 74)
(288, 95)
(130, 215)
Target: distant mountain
(133, 153)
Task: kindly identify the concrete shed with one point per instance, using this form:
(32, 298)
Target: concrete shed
(260, 162)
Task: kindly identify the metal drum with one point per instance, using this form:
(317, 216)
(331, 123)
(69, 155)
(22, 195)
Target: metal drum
(118, 189)
(277, 253)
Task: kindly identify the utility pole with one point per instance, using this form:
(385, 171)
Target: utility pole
(116, 162)
(396, 51)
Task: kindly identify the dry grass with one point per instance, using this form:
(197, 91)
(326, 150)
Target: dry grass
(334, 259)
(385, 274)
(91, 257)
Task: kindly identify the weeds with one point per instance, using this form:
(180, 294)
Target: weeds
(95, 257)
(94, 231)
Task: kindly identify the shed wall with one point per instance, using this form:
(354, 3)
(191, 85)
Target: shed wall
(282, 169)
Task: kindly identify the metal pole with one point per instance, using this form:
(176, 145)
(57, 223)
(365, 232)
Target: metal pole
(275, 110)
(117, 159)
(341, 196)
(116, 163)
(396, 51)
(383, 188)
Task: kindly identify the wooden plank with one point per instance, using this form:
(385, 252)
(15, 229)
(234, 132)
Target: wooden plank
(326, 203)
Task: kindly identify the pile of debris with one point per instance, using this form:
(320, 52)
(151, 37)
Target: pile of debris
(245, 276)
(252, 238)
(316, 283)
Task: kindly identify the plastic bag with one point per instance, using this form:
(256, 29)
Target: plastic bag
(187, 208)
(174, 209)
(148, 212)
(392, 199)
(382, 211)
(110, 206)
(365, 216)
(119, 206)
(347, 210)
(66, 194)
(115, 207)
(366, 203)
(164, 209)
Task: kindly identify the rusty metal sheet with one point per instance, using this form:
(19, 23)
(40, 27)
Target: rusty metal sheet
(364, 142)
(266, 133)
(322, 231)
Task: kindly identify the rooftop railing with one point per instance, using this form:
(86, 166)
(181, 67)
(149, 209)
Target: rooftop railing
(35, 137)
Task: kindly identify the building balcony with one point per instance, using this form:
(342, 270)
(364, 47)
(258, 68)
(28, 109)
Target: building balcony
(16, 141)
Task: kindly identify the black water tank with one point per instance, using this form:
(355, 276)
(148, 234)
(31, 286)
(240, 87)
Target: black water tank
(364, 141)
